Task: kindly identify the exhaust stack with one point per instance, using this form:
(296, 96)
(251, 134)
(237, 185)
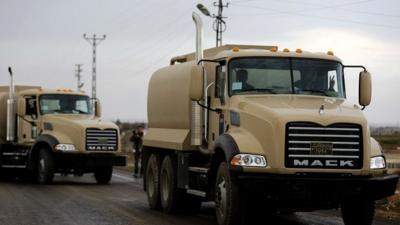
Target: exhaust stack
(196, 128)
(11, 109)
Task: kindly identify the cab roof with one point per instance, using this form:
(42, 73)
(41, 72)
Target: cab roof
(233, 51)
(33, 90)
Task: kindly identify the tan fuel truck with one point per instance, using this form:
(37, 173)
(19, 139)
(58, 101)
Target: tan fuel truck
(43, 132)
(257, 130)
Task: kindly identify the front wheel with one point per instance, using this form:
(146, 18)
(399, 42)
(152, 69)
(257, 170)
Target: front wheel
(103, 175)
(227, 202)
(358, 212)
(45, 167)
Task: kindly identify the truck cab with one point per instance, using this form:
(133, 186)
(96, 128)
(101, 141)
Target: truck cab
(58, 131)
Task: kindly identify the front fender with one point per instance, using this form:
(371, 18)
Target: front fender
(238, 141)
(376, 148)
(43, 141)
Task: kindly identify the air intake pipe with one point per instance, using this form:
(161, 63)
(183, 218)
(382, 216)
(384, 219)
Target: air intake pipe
(11, 109)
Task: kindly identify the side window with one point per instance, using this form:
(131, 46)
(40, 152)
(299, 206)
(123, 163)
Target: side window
(31, 109)
(220, 83)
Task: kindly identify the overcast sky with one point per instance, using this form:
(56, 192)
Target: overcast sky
(42, 40)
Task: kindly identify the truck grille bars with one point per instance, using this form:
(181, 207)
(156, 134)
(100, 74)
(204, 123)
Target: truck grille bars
(101, 140)
(310, 145)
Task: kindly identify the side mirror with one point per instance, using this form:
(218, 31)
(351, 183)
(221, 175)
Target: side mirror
(196, 83)
(97, 108)
(21, 107)
(365, 88)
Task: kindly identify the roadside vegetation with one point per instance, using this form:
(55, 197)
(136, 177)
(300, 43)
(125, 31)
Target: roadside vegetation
(390, 207)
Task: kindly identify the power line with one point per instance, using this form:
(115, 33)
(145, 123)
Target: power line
(78, 77)
(296, 13)
(341, 7)
(94, 41)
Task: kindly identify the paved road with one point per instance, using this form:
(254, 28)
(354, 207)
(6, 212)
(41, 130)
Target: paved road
(79, 201)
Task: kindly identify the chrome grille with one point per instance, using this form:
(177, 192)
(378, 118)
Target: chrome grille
(101, 140)
(340, 145)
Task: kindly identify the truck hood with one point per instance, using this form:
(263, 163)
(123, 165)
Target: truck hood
(323, 110)
(71, 129)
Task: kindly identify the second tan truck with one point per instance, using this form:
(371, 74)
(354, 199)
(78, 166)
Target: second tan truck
(44, 132)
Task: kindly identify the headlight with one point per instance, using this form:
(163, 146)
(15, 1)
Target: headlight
(65, 147)
(378, 162)
(249, 160)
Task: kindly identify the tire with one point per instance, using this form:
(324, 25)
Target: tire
(103, 175)
(171, 197)
(152, 181)
(174, 199)
(45, 167)
(358, 212)
(227, 200)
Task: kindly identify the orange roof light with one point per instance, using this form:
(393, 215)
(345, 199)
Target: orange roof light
(274, 49)
(286, 50)
(330, 53)
(299, 50)
(235, 49)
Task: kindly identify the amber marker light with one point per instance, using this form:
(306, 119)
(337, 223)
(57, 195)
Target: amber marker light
(299, 50)
(286, 50)
(274, 49)
(235, 49)
(330, 53)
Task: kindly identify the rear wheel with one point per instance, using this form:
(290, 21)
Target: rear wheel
(152, 181)
(169, 194)
(227, 202)
(103, 175)
(358, 212)
(174, 199)
(45, 167)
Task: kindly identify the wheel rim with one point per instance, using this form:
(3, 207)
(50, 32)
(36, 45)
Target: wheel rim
(150, 183)
(165, 185)
(220, 198)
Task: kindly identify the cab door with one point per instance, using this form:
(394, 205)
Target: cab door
(218, 119)
(27, 121)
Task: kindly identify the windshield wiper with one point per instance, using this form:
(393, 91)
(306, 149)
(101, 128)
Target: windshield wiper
(80, 111)
(270, 90)
(315, 91)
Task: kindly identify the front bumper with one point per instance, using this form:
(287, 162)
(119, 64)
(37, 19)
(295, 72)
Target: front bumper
(88, 161)
(311, 191)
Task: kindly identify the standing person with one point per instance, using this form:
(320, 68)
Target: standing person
(137, 139)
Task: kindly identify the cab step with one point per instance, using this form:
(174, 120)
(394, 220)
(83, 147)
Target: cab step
(14, 166)
(201, 170)
(197, 192)
(14, 153)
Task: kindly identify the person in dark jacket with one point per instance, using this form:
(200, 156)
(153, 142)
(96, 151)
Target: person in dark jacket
(137, 140)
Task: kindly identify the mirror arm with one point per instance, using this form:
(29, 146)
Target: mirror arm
(209, 108)
(221, 63)
(362, 109)
(355, 66)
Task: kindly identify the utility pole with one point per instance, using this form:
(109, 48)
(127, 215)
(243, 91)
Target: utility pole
(94, 41)
(219, 25)
(78, 77)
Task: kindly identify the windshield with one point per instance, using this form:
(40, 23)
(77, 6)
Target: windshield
(286, 76)
(64, 104)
